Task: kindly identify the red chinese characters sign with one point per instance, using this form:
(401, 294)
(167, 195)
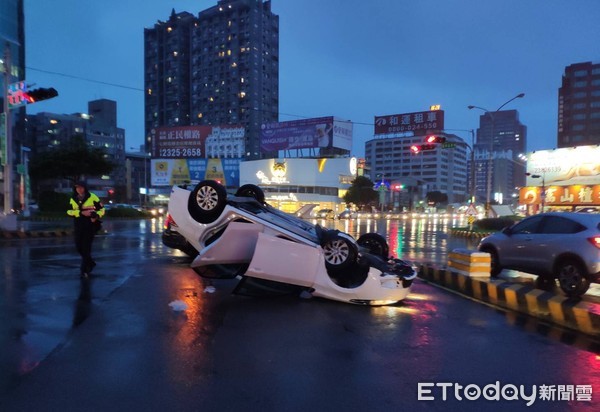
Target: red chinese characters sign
(575, 195)
(418, 123)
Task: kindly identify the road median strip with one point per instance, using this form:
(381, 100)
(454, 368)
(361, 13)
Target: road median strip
(524, 298)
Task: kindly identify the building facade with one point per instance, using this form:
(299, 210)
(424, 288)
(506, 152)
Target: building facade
(46, 131)
(12, 70)
(442, 169)
(579, 106)
(219, 68)
(501, 142)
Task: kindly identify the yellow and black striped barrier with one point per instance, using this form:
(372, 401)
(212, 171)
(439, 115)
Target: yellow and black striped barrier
(550, 306)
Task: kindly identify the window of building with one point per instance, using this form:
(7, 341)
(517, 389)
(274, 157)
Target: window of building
(581, 83)
(580, 73)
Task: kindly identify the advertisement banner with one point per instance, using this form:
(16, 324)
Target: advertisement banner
(576, 195)
(298, 134)
(567, 166)
(418, 122)
(169, 172)
(186, 142)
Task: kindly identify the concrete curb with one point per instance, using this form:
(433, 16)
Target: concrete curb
(469, 233)
(524, 298)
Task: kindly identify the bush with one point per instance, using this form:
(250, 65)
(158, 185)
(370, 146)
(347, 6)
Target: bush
(50, 201)
(496, 223)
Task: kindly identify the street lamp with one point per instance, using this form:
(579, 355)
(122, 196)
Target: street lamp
(543, 194)
(490, 166)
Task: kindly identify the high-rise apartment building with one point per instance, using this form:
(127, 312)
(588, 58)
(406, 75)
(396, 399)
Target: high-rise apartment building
(579, 106)
(219, 68)
(501, 140)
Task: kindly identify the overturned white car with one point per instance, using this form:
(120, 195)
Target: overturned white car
(271, 252)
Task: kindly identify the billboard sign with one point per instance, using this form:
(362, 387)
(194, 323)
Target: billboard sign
(169, 172)
(186, 142)
(568, 166)
(305, 134)
(418, 122)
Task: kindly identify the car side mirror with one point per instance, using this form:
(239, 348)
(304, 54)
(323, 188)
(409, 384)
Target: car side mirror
(507, 231)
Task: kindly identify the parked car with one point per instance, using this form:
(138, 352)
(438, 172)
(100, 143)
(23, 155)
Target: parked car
(553, 245)
(348, 214)
(272, 252)
(325, 214)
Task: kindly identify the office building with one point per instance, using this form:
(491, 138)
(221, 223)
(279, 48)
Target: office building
(502, 140)
(219, 68)
(46, 131)
(442, 169)
(579, 106)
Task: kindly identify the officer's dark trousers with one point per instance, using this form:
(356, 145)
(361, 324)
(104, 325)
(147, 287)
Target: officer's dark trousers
(84, 237)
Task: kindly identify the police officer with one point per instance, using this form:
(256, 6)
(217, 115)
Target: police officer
(86, 210)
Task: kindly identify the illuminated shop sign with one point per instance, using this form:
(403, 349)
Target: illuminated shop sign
(561, 195)
(562, 167)
(277, 175)
(418, 122)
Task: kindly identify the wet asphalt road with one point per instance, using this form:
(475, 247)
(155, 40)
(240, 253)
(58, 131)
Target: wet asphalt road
(113, 342)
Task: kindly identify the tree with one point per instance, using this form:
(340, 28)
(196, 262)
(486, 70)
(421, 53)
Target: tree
(437, 197)
(70, 161)
(361, 192)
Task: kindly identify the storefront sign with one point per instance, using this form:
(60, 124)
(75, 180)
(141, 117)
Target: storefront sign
(575, 195)
(418, 123)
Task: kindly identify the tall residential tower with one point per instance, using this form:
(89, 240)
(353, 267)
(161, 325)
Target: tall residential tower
(219, 68)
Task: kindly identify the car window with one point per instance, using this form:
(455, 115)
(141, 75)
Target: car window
(527, 226)
(558, 224)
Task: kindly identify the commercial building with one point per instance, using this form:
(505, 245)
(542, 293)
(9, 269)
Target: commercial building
(219, 68)
(12, 70)
(46, 131)
(562, 179)
(502, 140)
(579, 106)
(443, 169)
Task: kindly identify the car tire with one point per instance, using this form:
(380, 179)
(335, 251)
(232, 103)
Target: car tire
(572, 278)
(340, 252)
(375, 243)
(251, 190)
(495, 267)
(207, 201)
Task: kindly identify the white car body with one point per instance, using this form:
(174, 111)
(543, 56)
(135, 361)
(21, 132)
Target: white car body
(246, 239)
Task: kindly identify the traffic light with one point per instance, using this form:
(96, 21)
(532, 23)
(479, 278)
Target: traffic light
(422, 147)
(435, 139)
(36, 95)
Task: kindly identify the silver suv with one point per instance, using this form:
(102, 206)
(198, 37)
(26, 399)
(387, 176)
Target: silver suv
(554, 245)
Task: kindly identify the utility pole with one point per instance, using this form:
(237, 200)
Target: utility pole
(8, 162)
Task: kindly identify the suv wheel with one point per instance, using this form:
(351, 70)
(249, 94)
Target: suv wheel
(253, 191)
(572, 277)
(339, 252)
(375, 243)
(207, 201)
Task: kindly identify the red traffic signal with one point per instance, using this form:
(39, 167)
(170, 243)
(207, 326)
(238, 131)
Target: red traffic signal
(36, 95)
(422, 147)
(435, 139)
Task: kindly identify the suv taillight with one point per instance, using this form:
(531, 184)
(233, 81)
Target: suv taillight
(169, 222)
(595, 241)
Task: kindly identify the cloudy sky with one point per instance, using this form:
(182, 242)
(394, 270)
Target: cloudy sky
(347, 58)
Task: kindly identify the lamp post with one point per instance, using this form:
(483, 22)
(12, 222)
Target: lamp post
(543, 194)
(490, 165)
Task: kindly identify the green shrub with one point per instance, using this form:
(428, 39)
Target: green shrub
(496, 223)
(50, 201)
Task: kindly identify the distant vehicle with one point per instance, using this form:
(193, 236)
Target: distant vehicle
(325, 214)
(553, 245)
(270, 252)
(347, 214)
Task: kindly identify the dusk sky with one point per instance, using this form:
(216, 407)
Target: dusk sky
(346, 58)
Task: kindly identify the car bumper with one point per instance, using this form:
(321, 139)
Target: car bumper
(174, 240)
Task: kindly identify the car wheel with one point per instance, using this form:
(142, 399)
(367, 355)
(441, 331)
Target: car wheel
(494, 262)
(207, 201)
(376, 244)
(340, 252)
(572, 278)
(253, 191)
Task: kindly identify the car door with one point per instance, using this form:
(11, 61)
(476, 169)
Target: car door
(517, 246)
(557, 234)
